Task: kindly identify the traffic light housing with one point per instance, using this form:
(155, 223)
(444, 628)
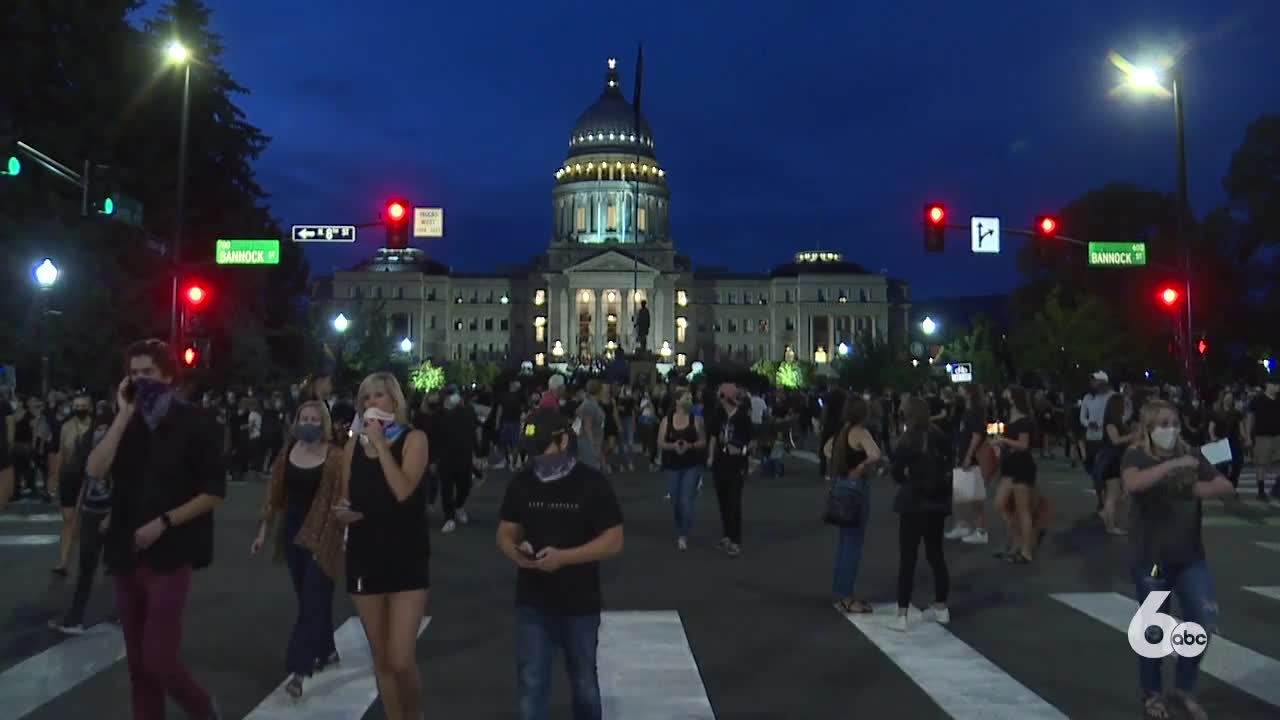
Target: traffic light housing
(195, 298)
(396, 218)
(935, 224)
(101, 191)
(1047, 226)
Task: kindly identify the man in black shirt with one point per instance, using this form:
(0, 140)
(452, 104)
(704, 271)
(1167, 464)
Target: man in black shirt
(1264, 436)
(732, 438)
(559, 519)
(6, 469)
(164, 457)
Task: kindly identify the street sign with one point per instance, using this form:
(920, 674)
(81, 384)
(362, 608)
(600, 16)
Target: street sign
(247, 252)
(986, 234)
(428, 222)
(127, 211)
(1113, 254)
(961, 372)
(324, 233)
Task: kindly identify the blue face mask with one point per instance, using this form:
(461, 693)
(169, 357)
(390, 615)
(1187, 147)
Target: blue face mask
(147, 393)
(308, 432)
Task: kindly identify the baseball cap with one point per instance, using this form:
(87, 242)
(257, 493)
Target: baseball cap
(540, 428)
(1101, 376)
(556, 382)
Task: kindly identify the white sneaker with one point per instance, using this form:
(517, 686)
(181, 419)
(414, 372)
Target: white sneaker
(899, 623)
(942, 616)
(449, 526)
(461, 516)
(960, 530)
(977, 537)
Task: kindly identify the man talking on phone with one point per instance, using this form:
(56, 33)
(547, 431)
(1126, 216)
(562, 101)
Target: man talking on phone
(165, 459)
(559, 519)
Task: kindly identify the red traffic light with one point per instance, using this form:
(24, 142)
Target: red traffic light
(935, 214)
(196, 295)
(1169, 297)
(1047, 225)
(190, 356)
(396, 211)
(1202, 346)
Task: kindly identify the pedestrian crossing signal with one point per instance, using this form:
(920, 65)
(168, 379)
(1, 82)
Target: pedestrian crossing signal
(190, 355)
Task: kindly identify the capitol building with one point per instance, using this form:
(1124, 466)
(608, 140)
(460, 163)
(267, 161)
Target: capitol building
(612, 248)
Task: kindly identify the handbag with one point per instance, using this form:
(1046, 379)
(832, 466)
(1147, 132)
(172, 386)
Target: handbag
(967, 486)
(846, 503)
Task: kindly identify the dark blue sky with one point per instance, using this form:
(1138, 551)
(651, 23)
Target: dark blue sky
(783, 126)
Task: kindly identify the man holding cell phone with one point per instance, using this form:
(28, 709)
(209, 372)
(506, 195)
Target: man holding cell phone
(559, 519)
(165, 459)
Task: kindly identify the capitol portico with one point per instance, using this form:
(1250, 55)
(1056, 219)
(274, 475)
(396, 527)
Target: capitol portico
(611, 249)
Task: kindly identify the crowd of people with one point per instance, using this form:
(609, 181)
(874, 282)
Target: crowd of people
(351, 482)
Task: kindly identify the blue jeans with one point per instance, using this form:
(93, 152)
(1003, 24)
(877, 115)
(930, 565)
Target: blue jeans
(628, 439)
(682, 485)
(312, 636)
(538, 634)
(849, 556)
(1193, 586)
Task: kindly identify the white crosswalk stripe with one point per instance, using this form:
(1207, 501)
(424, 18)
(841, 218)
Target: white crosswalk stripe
(36, 681)
(1272, 592)
(965, 684)
(1269, 545)
(341, 693)
(647, 669)
(1236, 665)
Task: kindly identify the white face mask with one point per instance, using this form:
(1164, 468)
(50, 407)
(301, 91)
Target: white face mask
(1165, 438)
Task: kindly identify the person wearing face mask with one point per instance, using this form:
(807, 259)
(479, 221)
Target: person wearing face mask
(167, 477)
(93, 507)
(383, 503)
(427, 419)
(303, 488)
(1167, 481)
(559, 518)
(73, 430)
(453, 458)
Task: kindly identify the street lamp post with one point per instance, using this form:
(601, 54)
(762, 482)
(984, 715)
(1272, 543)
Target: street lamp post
(178, 54)
(46, 274)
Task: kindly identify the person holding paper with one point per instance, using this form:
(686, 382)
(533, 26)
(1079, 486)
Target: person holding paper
(1167, 481)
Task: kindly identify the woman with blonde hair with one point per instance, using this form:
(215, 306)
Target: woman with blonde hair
(383, 503)
(1167, 481)
(305, 481)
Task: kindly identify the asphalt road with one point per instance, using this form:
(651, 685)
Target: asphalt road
(766, 642)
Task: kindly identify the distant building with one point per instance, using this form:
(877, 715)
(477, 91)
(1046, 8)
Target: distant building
(611, 248)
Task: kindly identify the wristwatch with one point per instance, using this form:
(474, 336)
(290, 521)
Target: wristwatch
(168, 522)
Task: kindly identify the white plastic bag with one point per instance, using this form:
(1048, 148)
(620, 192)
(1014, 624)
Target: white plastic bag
(967, 486)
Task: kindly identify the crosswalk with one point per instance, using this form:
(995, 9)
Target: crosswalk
(650, 671)
(22, 529)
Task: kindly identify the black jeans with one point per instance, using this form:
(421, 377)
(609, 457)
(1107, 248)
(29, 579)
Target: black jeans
(729, 478)
(912, 529)
(91, 541)
(455, 486)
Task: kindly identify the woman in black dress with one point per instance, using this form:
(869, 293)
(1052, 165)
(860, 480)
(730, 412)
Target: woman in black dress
(388, 546)
(1017, 477)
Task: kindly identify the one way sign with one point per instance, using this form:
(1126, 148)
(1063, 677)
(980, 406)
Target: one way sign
(986, 234)
(324, 233)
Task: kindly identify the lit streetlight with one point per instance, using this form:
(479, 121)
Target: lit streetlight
(46, 275)
(341, 323)
(178, 54)
(928, 326)
(406, 345)
(843, 349)
(1150, 81)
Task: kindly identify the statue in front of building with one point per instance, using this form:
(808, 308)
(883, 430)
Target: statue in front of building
(642, 326)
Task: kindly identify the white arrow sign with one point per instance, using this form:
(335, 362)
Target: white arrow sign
(986, 234)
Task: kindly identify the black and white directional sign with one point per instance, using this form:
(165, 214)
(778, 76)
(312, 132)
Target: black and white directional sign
(986, 234)
(961, 373)
(428, 222)
(324, 233)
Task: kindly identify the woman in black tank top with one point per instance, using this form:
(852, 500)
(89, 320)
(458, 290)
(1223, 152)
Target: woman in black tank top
(388, 546)
(682, 440)
(853, 454)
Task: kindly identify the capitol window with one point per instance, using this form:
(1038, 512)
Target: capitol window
(580, 219)
(682, 296)
(539, 297)
(642, 219)
(611, 218)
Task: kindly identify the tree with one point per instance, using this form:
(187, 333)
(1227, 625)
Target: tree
(1253, 184)
(426, 377)
(766, 369)
(367, 345)
(460, 372)
(791, 375)
(1064, 339)
(981, 347)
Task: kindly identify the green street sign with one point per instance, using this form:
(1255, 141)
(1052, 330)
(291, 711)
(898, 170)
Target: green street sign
(247, 252)
(1113, 254)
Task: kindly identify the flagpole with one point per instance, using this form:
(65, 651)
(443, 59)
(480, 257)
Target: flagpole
(635, 216)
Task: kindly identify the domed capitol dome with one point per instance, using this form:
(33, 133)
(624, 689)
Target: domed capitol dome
(611, 189)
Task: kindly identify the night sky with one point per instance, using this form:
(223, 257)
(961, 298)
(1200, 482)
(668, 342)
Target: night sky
(782, 126)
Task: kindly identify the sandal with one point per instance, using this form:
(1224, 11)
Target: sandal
(327, 662)
(1154, 708)
(294, 686)
(1194, 709)
(850, 606)
(1017, 558)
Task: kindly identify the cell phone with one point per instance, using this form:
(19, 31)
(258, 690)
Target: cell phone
(130, 392)
(530, 554)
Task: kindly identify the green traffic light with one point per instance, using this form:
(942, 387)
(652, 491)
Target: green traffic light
(108, 206)
(14, 166)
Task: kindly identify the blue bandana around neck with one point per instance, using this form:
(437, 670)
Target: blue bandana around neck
(549, 468)
(159, 407)
(392, 431)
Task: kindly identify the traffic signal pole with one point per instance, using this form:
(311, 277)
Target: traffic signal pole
(1182, 211)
